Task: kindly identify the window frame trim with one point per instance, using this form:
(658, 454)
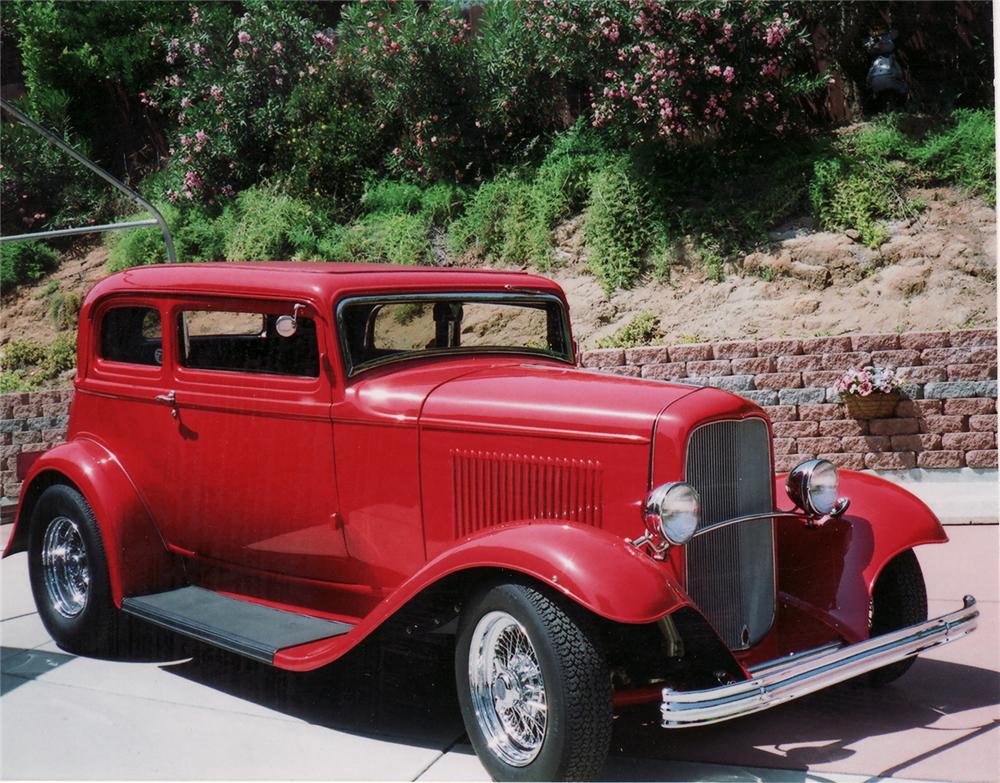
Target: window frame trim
(514, 297)
(244, 382)
(114, 369)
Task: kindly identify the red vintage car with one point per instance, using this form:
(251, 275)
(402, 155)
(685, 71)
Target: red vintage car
(276, 459)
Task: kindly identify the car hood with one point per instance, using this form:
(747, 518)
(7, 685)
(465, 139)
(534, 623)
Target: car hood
(549, 399)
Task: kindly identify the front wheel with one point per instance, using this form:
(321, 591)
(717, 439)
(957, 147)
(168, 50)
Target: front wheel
(69, 573)
(899, 599)
(533, 685)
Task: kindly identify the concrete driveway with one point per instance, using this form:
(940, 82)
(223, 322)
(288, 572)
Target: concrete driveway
(179, 710)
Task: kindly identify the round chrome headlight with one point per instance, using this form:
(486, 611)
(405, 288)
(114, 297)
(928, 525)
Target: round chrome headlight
(813, 486)
(674, 510)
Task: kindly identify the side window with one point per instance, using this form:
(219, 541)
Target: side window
(132, 335)
(232, 341)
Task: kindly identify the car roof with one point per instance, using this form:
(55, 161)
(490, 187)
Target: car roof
(318, 279)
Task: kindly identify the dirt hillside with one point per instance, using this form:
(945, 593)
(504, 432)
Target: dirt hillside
(936, 271)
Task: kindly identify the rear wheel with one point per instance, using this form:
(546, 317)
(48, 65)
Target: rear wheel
(899, 599)
(533, 685)
(69, 573)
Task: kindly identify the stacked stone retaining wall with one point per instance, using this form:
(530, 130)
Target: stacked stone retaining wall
(947, 418)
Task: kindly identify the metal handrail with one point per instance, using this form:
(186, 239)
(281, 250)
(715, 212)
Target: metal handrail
(156, 220)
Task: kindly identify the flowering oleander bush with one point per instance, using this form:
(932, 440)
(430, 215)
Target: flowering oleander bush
(228, 91)
(658, 70)
(865, 381)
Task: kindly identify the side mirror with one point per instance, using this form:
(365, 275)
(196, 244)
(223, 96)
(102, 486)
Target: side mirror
(288, 325)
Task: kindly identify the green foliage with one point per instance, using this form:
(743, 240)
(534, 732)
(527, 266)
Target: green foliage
(644, 329)
(15, 381)
(40, 186)
(510, 218)
(382, 237)
(849, 194)
(61, 355)
(197, 235)
(64, 308)
(494, 221)
(21, 354)
(23, 262)
(964, 153)
(619, 227)
(268, 224)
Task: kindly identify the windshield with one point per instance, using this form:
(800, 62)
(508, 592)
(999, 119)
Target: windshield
(375, 330)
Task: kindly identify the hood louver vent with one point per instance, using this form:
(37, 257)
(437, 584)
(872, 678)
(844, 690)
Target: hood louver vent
(493, 488)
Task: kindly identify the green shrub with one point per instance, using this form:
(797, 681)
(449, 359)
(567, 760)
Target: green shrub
(60, 356)
(21, 354)
(25, 262)
(496, 221)
(268, 224)
(382, 237)
(197, 235)
(64, 308)
(620, 227)
(856, 194)
(964, 153)
(644, 329)
(440, 203)
(15, 381)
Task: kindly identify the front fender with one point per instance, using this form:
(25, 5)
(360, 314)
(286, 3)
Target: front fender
(833, 568)
(591, 567)
(138, 561)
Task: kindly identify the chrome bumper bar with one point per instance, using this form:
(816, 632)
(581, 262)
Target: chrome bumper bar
(784, 679)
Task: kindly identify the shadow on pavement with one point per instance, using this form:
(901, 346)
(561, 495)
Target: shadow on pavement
(818, 729)
(19, 666)
(403, 690)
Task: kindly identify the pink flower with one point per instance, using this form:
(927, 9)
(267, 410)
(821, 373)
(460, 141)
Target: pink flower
(216, 92)
(192, 181)
(201, 137)
(276, 48)
(243, 37)
(729, 74)
(185, 102)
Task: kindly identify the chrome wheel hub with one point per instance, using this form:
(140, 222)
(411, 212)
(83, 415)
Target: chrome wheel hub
(65, 568)
(508, 691)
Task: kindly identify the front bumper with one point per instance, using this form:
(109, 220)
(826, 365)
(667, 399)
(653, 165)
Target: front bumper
(778, 681)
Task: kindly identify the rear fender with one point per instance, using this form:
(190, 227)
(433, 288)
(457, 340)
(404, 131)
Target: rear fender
(833, 568)
(138, 561)
(595, 569)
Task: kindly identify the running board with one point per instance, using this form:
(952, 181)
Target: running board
(241, 627)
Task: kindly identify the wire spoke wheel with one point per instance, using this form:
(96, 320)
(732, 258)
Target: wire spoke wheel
(508, 690)
(65, 567)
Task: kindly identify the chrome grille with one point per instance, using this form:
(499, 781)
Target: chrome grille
(730, 572)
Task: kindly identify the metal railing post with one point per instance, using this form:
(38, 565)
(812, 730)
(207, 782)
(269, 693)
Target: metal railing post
(157, 219)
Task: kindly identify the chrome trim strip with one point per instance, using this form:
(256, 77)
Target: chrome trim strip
(785, 679)
(751, 518)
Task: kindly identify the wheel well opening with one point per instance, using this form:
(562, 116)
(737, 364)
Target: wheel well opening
(39, 484)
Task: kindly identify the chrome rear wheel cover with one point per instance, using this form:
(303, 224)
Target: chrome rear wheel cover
(508, 690)
(65, 569)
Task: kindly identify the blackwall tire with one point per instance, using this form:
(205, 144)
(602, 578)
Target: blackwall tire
(533, 685)
(69, 574)
(899, 599)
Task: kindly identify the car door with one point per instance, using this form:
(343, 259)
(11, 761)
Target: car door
(251, 457)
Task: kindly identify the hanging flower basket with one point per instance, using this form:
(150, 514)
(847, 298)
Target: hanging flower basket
(869, 392)
(877, 405)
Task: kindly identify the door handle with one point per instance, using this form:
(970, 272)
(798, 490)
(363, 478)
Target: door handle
(170, 398)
